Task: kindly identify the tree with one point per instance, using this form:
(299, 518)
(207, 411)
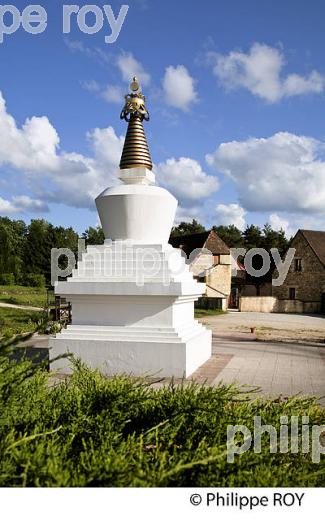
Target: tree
(187, 228)
(253, 237)
(41, 238)
(37, 255)
(231, 235)
(94, 236)
(12, 237)
(275, 239)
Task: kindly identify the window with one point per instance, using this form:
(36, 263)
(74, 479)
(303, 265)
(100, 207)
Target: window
(292, 293)
(298, 265)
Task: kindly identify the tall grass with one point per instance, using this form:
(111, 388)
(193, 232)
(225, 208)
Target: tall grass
(93, 431)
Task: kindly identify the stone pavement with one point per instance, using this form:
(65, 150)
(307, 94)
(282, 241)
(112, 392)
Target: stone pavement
(277, 368)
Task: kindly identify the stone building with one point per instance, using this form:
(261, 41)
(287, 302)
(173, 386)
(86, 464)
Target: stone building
(304, 287)
(216, 264)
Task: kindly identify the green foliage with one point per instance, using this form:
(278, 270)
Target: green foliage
(41, 237)
(7, 279)
(251, 237)
(231, 235)
(34, 280)
(27, 249)
(20, 295)
(92, 431)
(12, 237)
(187, 228)
(94, 236)
(18, 321)
(274, 239)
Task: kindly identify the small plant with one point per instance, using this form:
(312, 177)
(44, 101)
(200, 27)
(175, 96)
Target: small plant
(53, 327)
(44, 325)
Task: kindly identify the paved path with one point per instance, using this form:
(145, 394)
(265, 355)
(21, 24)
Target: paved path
(276, 368)
(23, 307)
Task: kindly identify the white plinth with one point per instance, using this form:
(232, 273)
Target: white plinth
(133, 312)
(133, 298)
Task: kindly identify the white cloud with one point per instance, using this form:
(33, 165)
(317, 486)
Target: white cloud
(179, 87)
(228, 214)
(129, 66)
(31, 147)
(284, 172)
(295, 85)
(110, 93)
(187, 214)
(53, 175)
(22, 204)
(260, 71)
(113, 94)
(290, 223)
(185, 178)
(125, 62)
(6, 206)
(278, 223)
(91, 85)
(104, 58)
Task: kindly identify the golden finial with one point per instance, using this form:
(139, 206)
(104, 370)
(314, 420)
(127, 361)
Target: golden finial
(135, 104)
(135, 151)
(135, 84)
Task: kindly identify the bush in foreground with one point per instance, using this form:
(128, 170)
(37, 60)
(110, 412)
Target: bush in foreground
(93, 431)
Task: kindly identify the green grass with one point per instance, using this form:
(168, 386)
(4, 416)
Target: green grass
(21, 295)
(17, 321)
(200, 313)
(93, 431)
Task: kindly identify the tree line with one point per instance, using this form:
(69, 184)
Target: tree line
(25, 249)
(251, 237)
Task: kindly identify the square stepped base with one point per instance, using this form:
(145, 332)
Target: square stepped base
(138, 351)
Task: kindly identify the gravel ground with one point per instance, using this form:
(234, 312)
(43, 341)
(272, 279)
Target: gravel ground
(270, 326)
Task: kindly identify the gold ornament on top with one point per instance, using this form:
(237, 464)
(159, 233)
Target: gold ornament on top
(135, 104)
(136, 152)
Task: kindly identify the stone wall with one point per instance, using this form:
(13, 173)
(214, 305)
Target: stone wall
(251, 290)
(309, 283)
(272, 304)
(219, 278)
(257, 304)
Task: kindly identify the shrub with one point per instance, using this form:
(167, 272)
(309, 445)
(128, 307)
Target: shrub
(7, 279)
(93, 431)
(34, 280)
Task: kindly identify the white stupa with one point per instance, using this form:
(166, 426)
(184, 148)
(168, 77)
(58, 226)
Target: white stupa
(133, 297)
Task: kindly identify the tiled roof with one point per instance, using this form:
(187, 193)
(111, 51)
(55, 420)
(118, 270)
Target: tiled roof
(316, 240)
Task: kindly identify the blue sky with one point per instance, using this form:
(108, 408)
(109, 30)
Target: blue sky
(236, 95)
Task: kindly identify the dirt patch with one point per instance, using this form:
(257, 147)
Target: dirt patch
(300, 336)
